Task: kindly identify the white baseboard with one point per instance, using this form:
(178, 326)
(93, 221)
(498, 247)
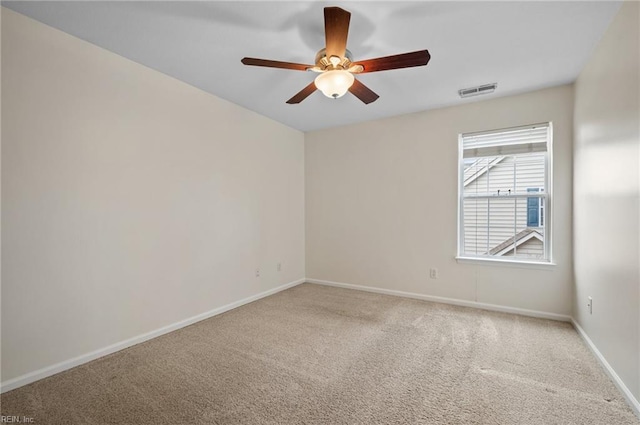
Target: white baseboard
(443, 300)
(631, 400)
(36, 375)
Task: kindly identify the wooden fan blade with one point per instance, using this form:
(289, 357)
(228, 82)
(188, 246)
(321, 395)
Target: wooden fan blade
(363, 92)
(336, 30)
(302, 94)
(275, 64)
(404, 60)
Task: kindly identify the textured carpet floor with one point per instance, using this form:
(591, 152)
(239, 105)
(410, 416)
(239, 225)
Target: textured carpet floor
(321, 355)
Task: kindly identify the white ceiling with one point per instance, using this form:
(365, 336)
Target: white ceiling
(522, 46)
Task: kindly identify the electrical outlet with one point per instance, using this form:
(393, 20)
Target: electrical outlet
(257, 272)
(279, 267)
(590, 305)
(433, 273)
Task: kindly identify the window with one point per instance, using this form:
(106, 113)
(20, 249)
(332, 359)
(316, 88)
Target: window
(535, 209)
(504, 194)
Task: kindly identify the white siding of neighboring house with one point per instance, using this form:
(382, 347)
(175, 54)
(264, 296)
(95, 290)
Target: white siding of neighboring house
(533, 248)
(530, 171)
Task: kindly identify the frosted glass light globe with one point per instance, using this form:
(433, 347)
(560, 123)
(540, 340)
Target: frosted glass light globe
(334, 83)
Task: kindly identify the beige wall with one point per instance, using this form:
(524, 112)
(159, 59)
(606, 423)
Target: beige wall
(606, 197)
(382, 197)
(130, 200)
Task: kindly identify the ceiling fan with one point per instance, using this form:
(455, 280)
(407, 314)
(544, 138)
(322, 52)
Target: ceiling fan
(335, 64)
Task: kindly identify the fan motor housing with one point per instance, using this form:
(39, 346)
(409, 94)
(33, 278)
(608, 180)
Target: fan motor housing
(323, 62)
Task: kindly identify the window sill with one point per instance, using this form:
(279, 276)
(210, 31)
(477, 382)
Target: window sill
(545, 265)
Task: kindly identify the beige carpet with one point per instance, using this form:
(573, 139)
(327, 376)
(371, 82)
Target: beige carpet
(321, 355)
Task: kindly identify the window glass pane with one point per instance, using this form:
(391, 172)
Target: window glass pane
(498, 226)
(489, 223)
(530, 172)
(476, 226)
(503, 195)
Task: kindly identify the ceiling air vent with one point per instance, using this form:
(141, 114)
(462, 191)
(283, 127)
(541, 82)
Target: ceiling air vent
(475, 91)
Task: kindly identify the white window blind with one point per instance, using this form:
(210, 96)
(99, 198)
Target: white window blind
(506, 142)
(504, 194)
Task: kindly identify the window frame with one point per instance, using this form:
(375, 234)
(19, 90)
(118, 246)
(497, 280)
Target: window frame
(546, 204)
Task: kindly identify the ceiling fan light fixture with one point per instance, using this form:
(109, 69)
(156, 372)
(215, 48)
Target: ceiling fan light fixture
(334, 83)
(335, 63)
